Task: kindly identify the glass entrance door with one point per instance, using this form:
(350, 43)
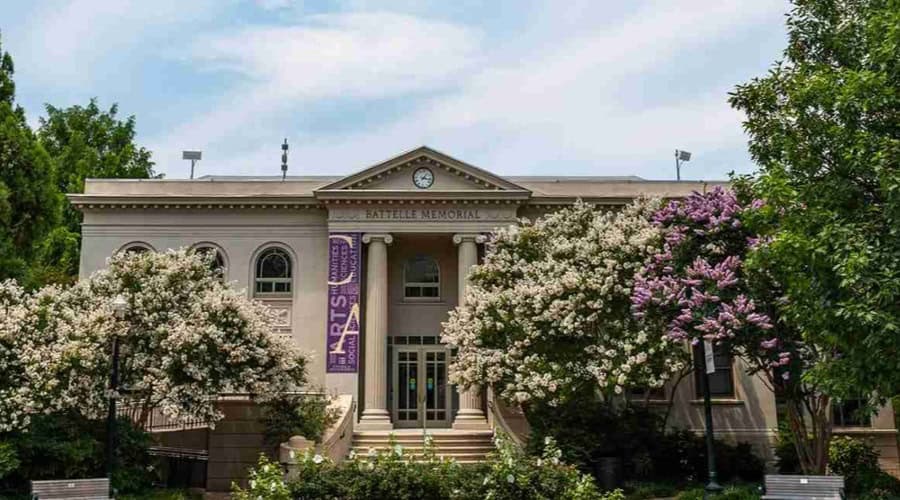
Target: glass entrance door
(421, 393)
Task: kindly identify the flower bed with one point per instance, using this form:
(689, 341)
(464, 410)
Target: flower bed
(508, 474)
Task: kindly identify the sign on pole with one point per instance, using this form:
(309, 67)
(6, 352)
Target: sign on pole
(710, 357)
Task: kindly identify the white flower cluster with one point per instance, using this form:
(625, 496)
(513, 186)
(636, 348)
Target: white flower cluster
(548, 313)
(185, 338)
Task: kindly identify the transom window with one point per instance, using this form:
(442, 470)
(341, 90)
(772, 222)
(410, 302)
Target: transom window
(136, 248)
(273, 272)
(421, 279)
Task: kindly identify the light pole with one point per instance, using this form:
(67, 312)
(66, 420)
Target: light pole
(119, 305)
(194, 156)
(709, 366)
(680, 156)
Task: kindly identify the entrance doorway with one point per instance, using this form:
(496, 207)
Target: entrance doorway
(422, 396)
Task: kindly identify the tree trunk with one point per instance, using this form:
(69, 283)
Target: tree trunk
(810, 432)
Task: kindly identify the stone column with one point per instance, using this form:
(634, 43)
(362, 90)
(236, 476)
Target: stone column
(470, 415)
(375, 416)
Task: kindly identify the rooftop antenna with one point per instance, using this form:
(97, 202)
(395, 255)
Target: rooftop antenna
(194, 156)
(680, 156)
(284, 151)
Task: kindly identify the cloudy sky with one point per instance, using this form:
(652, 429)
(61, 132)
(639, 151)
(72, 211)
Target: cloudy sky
(543, 87)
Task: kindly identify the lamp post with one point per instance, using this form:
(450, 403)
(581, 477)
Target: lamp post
(119, 305)
(712, 486)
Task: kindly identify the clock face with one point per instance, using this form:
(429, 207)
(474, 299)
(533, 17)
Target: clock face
(423, 178)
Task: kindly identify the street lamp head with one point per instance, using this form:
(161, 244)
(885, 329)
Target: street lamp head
(119, 305)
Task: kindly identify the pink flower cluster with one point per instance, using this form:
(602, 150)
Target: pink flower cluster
(706, 213)
(694, 286)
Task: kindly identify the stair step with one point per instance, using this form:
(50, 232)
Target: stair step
(362, 450)
(461, 439)
(461, 446)
(459, 457)
(443, 442)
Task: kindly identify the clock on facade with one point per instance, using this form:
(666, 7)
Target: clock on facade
(423, 178)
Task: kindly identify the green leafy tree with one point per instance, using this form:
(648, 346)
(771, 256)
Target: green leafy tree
(824, 127)
(84, 142)
(28, 201)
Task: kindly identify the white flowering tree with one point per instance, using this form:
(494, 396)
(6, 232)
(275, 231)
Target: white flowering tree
(548, 313)
(184, 339)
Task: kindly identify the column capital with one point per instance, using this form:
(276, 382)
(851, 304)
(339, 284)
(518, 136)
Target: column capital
(476, 237)
(385, 237)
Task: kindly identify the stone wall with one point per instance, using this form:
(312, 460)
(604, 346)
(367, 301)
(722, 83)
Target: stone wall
(235, 445)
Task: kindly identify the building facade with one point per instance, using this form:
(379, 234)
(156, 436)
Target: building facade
(363, 270)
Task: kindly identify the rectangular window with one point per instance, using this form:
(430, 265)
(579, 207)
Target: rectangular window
(269, 286)
(850, 414)
(641, 393)
(721, 383)
(422, 291)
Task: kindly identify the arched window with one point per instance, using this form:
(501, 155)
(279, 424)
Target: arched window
(136, 247)
(217, 265)
(273, 272)
(421, 279)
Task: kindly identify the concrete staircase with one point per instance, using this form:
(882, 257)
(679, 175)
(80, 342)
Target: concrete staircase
(463, 446)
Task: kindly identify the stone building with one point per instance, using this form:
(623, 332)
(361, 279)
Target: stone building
(364, 268)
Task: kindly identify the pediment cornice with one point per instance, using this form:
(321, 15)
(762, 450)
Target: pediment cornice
(368, 178)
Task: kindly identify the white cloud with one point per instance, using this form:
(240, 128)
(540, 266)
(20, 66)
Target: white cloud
(342, 55)
(512, 108)
(336, 56)
(71, 38)
(278, 4)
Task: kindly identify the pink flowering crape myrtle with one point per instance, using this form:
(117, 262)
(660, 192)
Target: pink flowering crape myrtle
(696, 285)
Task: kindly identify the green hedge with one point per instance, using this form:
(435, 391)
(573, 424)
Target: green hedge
(507, 475)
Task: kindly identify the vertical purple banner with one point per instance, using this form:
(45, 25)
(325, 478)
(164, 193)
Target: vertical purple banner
(344, 263)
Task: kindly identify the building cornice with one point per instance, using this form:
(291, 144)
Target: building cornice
(89, 201)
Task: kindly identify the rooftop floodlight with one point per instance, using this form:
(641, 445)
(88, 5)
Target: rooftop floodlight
(284, 153)
(194, 156)
(680, 156)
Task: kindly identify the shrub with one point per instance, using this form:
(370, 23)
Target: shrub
(786, 457)
(69, 446)
(850, 457)
(9, 459)
(507, 475)
(857, 461)
(306, 415)
(592, 429)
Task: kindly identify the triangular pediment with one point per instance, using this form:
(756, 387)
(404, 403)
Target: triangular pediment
(449, 175)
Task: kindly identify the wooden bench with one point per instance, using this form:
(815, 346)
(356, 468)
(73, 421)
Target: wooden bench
(804, 487)
(71, 489)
